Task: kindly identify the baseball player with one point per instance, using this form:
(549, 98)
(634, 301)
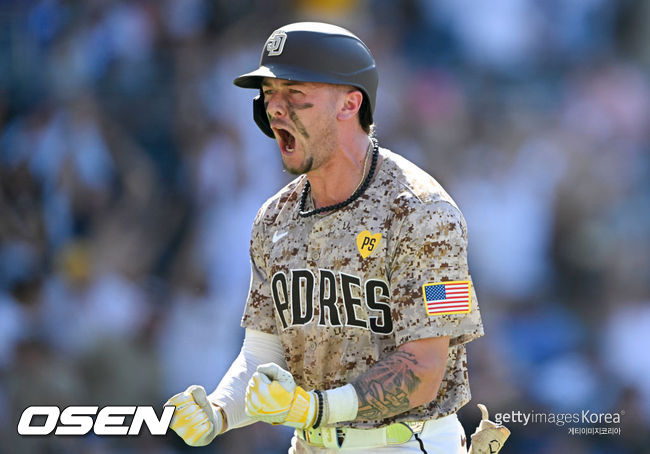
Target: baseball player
(360, 301)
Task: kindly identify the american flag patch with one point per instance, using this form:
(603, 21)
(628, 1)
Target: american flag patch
(452, 297)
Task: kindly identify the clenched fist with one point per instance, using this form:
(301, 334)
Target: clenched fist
(195, 420)
(272, 396)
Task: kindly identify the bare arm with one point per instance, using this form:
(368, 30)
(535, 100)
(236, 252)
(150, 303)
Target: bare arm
(408, 378)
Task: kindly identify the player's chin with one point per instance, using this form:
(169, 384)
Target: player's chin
(297, 169)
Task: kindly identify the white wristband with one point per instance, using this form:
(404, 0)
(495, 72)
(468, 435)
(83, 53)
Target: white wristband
(343, 404)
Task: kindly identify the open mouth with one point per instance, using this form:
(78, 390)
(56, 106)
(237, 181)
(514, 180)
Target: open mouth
(286, 139)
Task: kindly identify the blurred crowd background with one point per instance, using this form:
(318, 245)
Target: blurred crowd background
(131, 171)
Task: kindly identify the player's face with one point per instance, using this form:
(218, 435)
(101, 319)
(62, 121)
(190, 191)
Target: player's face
(303, 118)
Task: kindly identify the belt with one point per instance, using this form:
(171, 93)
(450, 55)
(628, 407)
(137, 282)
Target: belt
(337, 437)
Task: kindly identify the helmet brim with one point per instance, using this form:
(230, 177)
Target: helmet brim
(254, 78)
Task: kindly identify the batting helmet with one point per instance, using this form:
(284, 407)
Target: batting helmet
(313, 52)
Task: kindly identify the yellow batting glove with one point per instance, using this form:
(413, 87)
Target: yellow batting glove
(272, 396)
(195, 420)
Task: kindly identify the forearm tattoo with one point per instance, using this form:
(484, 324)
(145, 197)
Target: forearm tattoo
(384, 390)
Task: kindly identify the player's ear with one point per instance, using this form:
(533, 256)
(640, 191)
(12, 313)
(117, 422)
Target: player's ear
(351, 103)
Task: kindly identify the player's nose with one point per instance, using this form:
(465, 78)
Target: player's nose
(276, 106)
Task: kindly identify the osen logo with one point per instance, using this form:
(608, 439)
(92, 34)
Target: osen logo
(275, 44)
(79, 420)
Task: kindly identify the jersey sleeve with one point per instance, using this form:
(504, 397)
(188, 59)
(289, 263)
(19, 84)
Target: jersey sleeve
(259, 313)
(431, 248)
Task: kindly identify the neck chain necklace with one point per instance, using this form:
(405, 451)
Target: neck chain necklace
(357, 193)
(363, 174)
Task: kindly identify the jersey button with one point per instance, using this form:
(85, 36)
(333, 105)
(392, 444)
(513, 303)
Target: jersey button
(315, 255)
(312, 345)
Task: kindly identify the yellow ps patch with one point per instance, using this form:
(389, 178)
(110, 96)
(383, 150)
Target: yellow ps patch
(367, 242)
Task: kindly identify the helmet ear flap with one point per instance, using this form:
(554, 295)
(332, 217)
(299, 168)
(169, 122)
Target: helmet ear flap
(260, 117)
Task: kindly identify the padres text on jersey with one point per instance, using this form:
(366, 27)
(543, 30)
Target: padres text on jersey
(296, 307)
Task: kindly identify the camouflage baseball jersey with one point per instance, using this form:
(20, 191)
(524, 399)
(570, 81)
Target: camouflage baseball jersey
(344, 290)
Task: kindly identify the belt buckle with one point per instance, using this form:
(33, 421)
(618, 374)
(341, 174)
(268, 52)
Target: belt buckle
(416, 426)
